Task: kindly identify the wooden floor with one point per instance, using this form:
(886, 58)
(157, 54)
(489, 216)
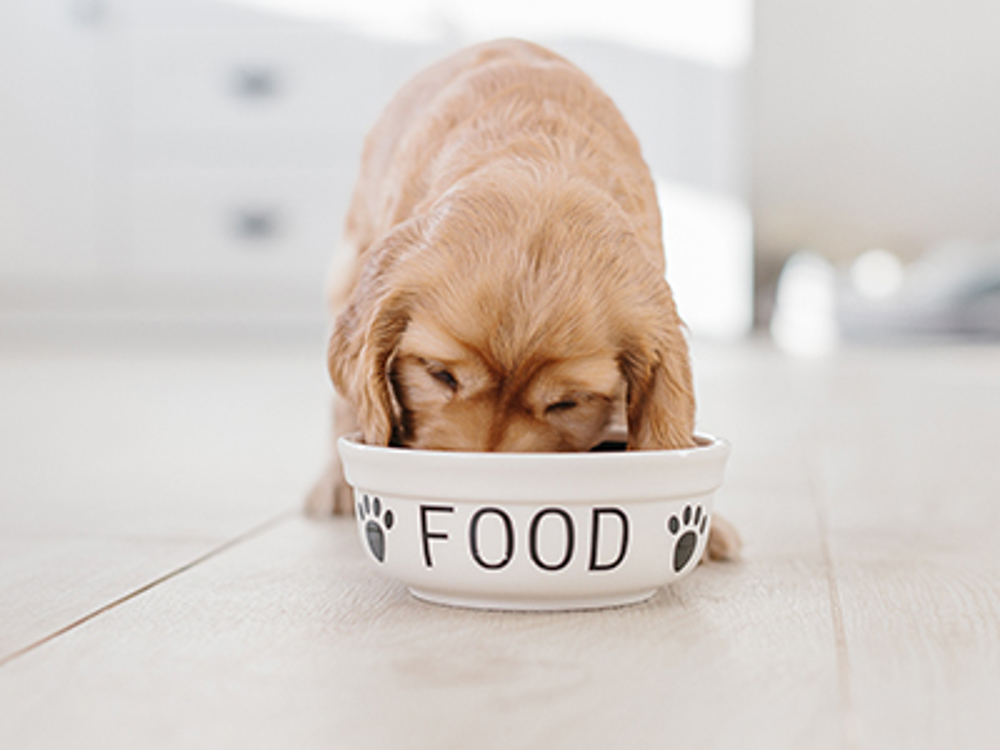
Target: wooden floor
(158, 587)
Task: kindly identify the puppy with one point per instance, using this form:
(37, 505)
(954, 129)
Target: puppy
(507, 291)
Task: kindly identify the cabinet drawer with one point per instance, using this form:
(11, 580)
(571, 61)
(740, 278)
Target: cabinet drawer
(245, 150)
(270, 79)
(236, 224)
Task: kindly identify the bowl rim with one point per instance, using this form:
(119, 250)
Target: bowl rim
(569, 478)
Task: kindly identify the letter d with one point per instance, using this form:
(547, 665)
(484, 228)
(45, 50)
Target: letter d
(595, 538)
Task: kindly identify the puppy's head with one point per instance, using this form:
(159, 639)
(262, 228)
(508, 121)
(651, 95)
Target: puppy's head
(457, 392)
(516, 315)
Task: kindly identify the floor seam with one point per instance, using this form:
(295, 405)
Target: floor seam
(250, 533)
(843, 657)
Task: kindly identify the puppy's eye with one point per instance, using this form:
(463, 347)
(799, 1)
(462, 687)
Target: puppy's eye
(561, 406)
(444, 377)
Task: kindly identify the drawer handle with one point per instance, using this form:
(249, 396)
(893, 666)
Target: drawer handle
(256, 83)
(87, 12)
(256, 224)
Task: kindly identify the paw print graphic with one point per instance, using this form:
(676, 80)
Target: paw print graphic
(376, 523)
(689, 527)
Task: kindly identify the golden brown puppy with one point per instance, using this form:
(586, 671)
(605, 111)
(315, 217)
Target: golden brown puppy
(508, 289)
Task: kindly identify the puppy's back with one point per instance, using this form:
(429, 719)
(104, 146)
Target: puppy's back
(486, 102)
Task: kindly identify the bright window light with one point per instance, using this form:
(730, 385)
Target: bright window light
(709, 244)
(877, 274)
(804, 322)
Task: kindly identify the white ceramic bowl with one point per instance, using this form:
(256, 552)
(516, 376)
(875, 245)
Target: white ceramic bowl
(536, 531)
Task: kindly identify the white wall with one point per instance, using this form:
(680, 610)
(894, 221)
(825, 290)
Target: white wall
(48, 141)
(876, 123)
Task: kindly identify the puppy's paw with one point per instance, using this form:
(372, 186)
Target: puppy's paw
(331, 495)
(724, 542)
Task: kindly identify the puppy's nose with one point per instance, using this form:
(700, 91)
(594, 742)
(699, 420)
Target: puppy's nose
(516, 436)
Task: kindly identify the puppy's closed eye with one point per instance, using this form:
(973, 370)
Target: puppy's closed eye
(442, 375)
(561, 407)
(577, 406)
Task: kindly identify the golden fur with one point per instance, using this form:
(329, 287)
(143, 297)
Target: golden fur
(507, 291)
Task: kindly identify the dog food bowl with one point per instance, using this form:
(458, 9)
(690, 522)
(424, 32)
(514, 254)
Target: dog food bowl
(534, 531)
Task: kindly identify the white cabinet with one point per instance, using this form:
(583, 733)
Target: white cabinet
(263, 80)
(243, 134)
(243, 146)
(236, 225)
(153, 145)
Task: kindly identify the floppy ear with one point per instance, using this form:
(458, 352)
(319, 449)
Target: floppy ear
(367, 334)
(657, 370)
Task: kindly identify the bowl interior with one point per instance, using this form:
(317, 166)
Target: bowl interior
(608, 471)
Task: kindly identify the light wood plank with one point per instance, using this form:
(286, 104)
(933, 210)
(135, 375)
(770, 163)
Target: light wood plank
(293, 639)
(119, 465)
(47, 583)
(169, 444)
(908, 465)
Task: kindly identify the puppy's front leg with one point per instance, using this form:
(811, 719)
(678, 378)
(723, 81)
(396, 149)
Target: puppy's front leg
(724, 541)
(332, 494)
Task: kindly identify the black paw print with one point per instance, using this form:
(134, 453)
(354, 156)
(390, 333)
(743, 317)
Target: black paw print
(695, 521)
(371, 508)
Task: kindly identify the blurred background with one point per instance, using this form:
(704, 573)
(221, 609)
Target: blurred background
(827, 170)
(173, 179)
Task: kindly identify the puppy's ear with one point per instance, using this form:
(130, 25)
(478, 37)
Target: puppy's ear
(367, 334)
(657, 370)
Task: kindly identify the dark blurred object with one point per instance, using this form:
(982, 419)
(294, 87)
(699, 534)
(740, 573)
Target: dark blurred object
(953, 290)
(257, 224)
(86, 12)
(256, 82)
